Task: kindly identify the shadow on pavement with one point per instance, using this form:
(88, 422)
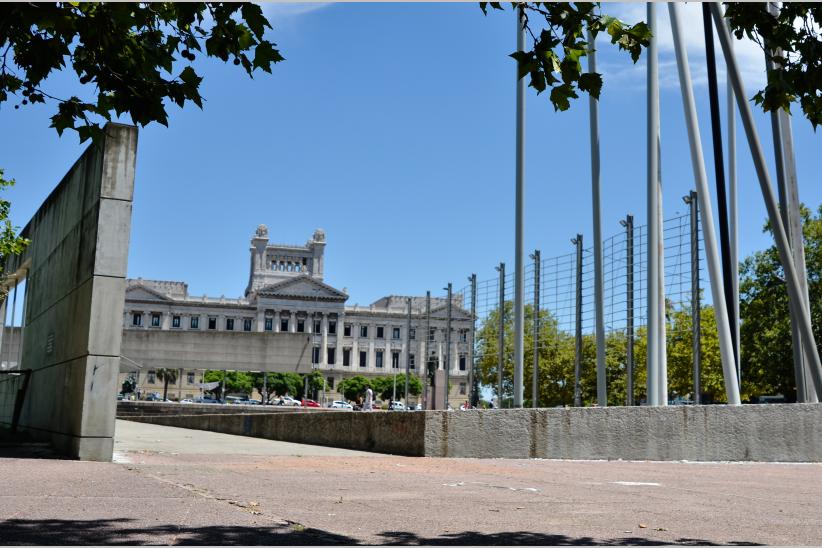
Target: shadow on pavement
(104, 532)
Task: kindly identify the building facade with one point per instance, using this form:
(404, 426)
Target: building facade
(288, 320)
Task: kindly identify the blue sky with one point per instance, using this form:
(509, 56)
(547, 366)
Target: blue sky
(391, 126)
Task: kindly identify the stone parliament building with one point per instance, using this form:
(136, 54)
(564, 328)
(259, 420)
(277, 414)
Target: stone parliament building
(288, 320)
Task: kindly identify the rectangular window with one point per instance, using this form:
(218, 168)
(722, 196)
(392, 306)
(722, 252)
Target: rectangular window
(137, 319)
(395, 333)
(463, 389)
(318, 326)
(269, 324)
(463, 335)
(363, 331)
(315, 355)
(412, 334)
(229, 324)
(395, 360)
(411, 361)
(380, 332)
(332, 356)
(175, 321)
(379, 358)
(300, 326)
(284, 324)
(347, 330)
(432, 332)
(155, 320)
(332, 327)
(247, 324)
(462, 362)
(194, 323)
(346, 357)
(363, 358)
(212, 323)
(190, 378)
(330, 382)
(152, 377)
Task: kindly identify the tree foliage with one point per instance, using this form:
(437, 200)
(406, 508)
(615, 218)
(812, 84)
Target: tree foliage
(797, 73)
(10, 242)
(236, 382)
(765, 332)
(135, 57)
(559, 43)
(168, 376)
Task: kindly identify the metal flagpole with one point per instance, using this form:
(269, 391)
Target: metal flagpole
(654, 240)
(427, 382)
(593, 108)
(535, 371)
(519, 245)
(719, 172)
(780, 237)
(501, 339)
(407, 350)
(662, 376)
(628, 223)
(578, 330)
(447, 345)
(704, 201)
(696, 305)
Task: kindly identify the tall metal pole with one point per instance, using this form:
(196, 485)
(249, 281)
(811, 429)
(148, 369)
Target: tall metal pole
(654, 237)
(427, 349)
(599, 308)
(535, 371)
(265, 387)
(501, 340)
(407, 349)
(578, 331)
(780, 236)
(704, 199)
(447, 345)
(519, 244)
(734, 226)
(719, 171)
(696, 304)
(472, 378)
(789, 208)
(628, 223)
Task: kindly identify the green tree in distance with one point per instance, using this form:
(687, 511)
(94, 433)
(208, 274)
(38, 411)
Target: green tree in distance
(167, 376)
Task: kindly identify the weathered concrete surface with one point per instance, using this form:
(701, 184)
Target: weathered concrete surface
(196, 491)
(75, 271)
(127, 408)
(764, 433)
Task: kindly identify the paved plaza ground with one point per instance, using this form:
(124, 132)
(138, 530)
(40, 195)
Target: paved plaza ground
(175, 486)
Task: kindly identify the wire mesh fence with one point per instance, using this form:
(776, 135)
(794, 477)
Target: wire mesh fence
(563, 323)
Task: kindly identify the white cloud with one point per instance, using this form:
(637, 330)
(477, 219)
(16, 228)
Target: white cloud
(749, 55)
(278, 11)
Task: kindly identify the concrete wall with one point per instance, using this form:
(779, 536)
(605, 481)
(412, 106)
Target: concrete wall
(127, 409)
(75, 269)
(786, 433)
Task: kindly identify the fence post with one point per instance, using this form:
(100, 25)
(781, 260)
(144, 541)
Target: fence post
(696, 304)
(535, 372)
(578, 336)
(471, 373)
(628, 223)
(501, 340)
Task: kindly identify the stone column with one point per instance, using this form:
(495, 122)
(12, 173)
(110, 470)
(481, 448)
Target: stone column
(324, 343)
(276, 321)
(260, 320)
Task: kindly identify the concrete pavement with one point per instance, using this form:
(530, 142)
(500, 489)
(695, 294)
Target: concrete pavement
(218, 489)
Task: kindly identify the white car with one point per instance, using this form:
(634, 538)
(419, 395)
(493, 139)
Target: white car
(344, 405)
(287, 400)
(186, 401)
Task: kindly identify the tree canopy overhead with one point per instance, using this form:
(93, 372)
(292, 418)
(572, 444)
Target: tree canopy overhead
(132, 57)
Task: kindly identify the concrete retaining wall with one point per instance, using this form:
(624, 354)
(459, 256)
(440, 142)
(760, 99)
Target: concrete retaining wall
(127, 409)
(75, 271)
(785, 433)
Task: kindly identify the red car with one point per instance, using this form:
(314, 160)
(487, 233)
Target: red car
(310, 403)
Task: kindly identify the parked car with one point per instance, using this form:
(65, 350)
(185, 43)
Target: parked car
(287, 401)
(206, 400)
(187, 400)
(396, 406)
(418, 407)
(309, 403)
(154, 397)
(344, 405)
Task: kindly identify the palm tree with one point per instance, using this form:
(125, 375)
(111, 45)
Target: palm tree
(167, 376)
